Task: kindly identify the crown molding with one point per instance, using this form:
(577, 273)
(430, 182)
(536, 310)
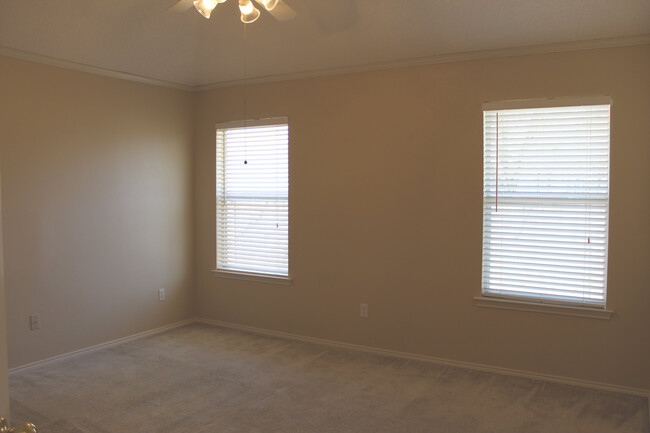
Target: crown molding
(442, 58)
(405, 63)
(81, 67)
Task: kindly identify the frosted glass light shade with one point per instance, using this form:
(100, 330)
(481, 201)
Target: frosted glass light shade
(249, 13)
(268, 4)
(205, 7)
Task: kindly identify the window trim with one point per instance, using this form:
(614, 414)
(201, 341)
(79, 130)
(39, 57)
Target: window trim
(266, 121)
(546, 103)
(543, 305)
(247, 275)
(499, 303)
(256, 278)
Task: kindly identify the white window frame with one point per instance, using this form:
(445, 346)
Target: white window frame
(240, 271)
(505, 299)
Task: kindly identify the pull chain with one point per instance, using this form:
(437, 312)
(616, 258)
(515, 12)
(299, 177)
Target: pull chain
(245, 101)
(496, 201)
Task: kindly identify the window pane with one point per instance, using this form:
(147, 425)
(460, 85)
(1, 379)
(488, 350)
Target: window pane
(545, 203)
(253, 199)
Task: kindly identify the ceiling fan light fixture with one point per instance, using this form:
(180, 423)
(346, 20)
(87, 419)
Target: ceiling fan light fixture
(205, 7)
(249, 13)
(269, 5)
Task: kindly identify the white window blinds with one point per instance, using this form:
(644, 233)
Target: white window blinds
(545, 202)
(253, 198)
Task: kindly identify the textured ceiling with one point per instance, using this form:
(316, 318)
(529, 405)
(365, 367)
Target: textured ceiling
(139, 37)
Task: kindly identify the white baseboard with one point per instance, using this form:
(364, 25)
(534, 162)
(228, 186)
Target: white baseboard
(332, 343)
(441, 361)
(102, 345)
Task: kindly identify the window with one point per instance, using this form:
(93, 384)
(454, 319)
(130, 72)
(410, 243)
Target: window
(253, 198)
(546, 200)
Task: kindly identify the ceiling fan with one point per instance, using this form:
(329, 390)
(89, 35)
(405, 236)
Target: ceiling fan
(249, 13)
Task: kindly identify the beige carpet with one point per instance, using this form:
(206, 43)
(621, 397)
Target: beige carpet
(201, 378)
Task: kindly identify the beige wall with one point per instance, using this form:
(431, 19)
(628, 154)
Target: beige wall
(386, 187)
(385, 199)
(96, 189)
(4, 382)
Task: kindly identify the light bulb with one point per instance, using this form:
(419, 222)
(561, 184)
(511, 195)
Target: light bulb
(268, 4)
(205, 7)
(249, 13)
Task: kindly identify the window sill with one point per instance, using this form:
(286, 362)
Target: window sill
(563, 310)
(257, 278)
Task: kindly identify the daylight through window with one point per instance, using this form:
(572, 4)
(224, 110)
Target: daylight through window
(253, 198)
(546, 200)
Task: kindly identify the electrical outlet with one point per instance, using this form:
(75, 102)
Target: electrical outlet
(363, 310)
(161, 295)
(34, 322)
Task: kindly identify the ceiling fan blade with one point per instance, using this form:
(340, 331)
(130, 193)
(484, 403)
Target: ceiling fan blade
(180, 6)
(283, 12)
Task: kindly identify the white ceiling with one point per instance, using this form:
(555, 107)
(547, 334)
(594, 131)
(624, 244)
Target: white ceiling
(139, 37)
